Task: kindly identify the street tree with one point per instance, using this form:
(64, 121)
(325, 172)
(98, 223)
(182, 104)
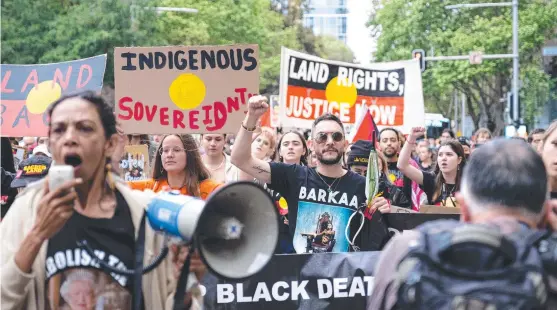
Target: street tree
(45, 31)
(404, 25)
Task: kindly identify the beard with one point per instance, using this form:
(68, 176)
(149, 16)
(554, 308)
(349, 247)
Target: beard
(329, 161)
(389, 153)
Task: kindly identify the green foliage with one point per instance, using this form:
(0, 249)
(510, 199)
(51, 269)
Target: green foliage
(43, 31)
(221, 22)
(409, 24)
(331, 48)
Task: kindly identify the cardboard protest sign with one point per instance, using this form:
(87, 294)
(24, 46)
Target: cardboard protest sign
(311, 86)
(180, 89)
(135, 163)
(28, 90)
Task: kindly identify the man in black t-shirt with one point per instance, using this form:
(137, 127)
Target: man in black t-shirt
(320, 200)
(390, 144)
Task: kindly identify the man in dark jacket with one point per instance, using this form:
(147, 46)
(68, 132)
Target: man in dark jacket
(504, 185)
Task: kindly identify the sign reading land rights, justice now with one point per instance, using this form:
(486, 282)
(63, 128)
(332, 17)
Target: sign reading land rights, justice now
(311, 86)
(184, 89)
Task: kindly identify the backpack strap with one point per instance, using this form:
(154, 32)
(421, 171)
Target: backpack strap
(482, 235)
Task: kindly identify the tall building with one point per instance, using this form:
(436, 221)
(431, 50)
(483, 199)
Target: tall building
(327, 17)
(345, 20)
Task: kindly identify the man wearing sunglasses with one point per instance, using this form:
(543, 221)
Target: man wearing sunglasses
(312, 192)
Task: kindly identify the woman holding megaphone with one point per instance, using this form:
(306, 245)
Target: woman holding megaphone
(43, 265)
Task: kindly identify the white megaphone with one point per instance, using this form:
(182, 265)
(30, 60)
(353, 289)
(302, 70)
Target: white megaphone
(235, 230)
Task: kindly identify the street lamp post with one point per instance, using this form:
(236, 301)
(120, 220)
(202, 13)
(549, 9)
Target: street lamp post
(515, 53)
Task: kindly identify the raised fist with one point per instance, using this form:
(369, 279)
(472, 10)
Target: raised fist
(416, 132)
(257, 106)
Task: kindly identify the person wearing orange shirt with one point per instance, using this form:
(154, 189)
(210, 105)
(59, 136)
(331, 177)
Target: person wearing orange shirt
(178, 166)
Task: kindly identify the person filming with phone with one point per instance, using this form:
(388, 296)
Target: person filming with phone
(81, 199)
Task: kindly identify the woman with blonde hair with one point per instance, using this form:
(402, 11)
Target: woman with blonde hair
(263, 147)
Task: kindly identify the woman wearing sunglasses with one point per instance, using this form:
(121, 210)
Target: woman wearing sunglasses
(178, 166)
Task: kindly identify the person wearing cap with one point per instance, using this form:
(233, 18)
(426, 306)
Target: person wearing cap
(358, 161)
(41, 149)
(31, 170)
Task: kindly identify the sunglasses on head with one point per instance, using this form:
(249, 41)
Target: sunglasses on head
(322, 137)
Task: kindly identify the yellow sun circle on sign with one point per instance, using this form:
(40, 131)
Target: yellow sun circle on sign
(187, 91)
(341, 92)
(42, 95)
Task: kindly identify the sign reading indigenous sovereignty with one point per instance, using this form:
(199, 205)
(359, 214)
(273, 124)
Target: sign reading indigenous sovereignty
(181, 89)
(311, 86)
(28, 90)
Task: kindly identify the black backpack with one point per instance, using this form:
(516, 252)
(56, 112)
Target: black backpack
(472, 266)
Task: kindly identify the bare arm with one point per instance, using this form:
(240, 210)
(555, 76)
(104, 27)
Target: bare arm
(241, 152)
(403, 164)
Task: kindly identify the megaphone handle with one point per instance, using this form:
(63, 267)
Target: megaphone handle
(181, 286)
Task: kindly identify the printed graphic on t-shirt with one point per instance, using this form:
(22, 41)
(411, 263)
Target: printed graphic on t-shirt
(320, 228)
(396, 177)
(75, 282)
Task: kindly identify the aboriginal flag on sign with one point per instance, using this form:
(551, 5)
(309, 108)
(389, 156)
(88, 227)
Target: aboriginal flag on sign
(28, 90)
(311, 86)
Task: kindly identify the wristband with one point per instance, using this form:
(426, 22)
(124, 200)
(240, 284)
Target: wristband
(251, 129)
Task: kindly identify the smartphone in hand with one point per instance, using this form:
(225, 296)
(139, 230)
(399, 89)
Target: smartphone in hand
(58, 175)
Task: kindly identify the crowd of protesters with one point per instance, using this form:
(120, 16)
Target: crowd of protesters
(316, 179)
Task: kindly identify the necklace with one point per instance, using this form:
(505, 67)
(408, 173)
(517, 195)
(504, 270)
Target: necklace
(331, 185)
(217, 168)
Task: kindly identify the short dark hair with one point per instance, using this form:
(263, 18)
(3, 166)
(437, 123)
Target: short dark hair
(326, 117)
(535, 132)
(509, 173)
(389, 129)
(450, 132)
